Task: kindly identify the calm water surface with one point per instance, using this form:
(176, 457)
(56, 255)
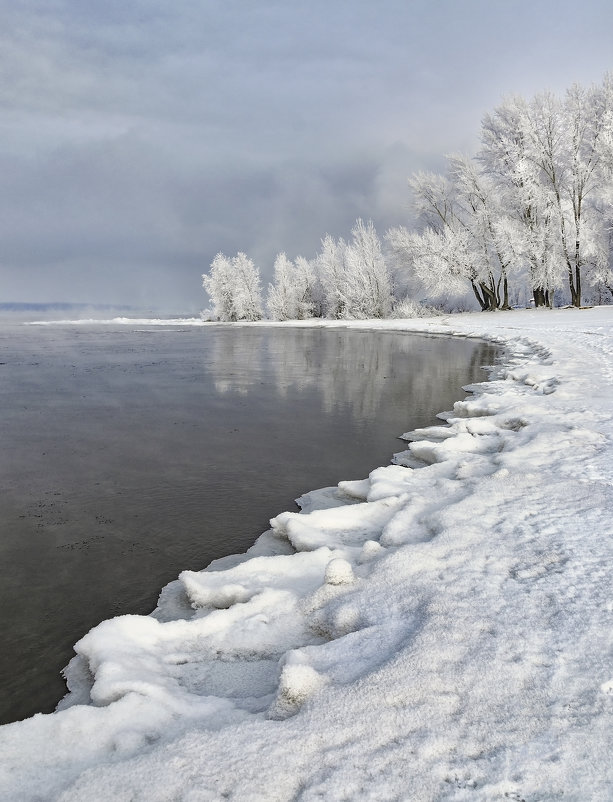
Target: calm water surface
(129, 454)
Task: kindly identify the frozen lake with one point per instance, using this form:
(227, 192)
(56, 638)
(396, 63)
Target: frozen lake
(131, 453)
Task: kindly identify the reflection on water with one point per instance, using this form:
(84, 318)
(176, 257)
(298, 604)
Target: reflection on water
(352, 371)
(127, 456)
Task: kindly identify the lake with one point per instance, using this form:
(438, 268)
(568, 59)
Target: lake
(129, 453)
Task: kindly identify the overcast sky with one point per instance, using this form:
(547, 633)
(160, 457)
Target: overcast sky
(141, 137)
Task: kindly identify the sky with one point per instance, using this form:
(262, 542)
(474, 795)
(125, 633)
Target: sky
(138, 138)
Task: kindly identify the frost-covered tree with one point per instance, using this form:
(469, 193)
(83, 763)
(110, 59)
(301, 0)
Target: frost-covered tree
(219, 286)
(433, 200)
(442, 261)
(233, 286)
(311, 301)
(483, 216)
(354, 275)
(553, 157)
(332, 270)
(248, 292)
(463, 239)
(290, 297)
(280, 297)
(369, 282)
(588, 122)
(561, 145)
(530, 218)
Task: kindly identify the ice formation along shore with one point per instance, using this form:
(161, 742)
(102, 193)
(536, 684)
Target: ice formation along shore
(440, 630)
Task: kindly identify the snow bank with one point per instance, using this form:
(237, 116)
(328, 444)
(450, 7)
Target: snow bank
(440, 630)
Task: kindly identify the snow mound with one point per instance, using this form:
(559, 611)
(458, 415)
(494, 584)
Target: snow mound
(339, 572)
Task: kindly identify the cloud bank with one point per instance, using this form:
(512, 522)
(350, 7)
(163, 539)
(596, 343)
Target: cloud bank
(139, 138)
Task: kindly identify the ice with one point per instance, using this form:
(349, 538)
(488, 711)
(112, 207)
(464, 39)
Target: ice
(337, 527)
(438, 630)
(298, 574)
(327, 497)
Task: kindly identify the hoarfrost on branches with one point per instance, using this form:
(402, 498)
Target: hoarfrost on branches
(527, 220)
(233, 285)
(292, 295)
(354, 275)
(534, 206)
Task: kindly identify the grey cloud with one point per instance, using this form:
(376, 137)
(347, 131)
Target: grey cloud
(139, 137)
(118, 202)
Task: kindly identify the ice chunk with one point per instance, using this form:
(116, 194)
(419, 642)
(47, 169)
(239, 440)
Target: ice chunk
(338, 527)
(356, 489)
(295, 573)
(325, 499)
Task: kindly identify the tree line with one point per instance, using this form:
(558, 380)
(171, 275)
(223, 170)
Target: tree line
(526, 220)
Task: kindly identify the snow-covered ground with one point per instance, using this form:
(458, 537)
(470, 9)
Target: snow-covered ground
(440, 630)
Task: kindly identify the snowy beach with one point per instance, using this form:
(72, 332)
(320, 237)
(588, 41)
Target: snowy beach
(439, 630)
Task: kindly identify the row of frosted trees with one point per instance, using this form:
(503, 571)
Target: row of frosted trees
(529, 217)
(345, 280)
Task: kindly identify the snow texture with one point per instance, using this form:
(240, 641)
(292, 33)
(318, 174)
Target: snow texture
(440, 630)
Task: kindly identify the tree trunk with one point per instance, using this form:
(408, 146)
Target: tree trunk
(482, 301)
(489, 298)
(577, 300)
(536, 294)
(505, 294)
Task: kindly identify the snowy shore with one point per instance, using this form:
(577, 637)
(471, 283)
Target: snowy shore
(439, 630)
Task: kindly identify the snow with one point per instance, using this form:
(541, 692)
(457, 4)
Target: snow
(439, 630)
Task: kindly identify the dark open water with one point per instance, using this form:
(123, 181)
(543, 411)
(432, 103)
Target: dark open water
(128, 455)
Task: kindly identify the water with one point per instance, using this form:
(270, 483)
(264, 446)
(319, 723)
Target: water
(128, 455)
